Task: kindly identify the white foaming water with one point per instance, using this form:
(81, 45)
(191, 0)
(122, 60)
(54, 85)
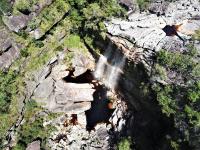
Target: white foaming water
(100, 67)
(109, 72)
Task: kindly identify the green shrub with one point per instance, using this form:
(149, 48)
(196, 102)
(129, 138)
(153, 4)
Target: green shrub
(5, 6)
(124, 144)
(38, 43)
(143, 4)
(175, 61)
(33, 128)
(180, 101)
(73, 41)
(50, 15)
(24, 52)
(196, 36)
(7, 90)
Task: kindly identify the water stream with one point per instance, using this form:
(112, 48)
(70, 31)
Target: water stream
(109, 67)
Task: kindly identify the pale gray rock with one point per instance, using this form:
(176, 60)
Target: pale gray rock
(74, 92)
(8, 57)
(59, 72)
(44, 90)
(34, 146)
(9, 50)
(145, 30)
(5, 45)
(16, 23)
(158, 7)
(81, 63)
(77, 108)
(56, 95)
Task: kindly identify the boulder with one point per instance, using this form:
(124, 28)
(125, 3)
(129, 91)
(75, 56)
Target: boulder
(8, 57)
(35, 145)
(16, 23)
(158, 8)
(81, 64)
(44, 90)
(72, 91)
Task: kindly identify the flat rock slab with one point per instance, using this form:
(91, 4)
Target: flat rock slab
(146, 30)
(74, 92)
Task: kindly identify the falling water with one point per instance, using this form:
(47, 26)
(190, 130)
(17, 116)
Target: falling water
(109, 67)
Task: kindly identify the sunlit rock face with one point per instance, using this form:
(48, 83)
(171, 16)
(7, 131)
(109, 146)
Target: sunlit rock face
(70, 95)
(145, 30)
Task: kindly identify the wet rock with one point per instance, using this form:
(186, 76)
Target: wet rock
(34, 146)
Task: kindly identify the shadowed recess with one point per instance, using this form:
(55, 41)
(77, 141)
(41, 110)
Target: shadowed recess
(99, 112)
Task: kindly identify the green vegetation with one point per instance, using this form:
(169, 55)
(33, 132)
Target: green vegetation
(197, 35)
(143, 4)
(180, 101)
(176, 61)
(4, 7)
(49, 16)
(124, 144)
(7, 90)
(60, 29)
(33, 127)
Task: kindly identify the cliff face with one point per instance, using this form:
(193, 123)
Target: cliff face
(168, 28)
(72, 82)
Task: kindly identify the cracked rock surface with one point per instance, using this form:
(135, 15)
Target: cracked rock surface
(146, 30)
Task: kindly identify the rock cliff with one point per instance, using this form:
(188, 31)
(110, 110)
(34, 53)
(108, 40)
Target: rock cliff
(90, 91)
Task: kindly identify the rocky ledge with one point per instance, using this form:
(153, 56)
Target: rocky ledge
(168, 26)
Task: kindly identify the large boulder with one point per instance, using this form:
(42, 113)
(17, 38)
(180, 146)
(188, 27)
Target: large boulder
(16, 23)
(58, 95)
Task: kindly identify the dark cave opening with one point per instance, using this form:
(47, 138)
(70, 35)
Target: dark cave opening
(170, 30)
(25, 11)
(100, 111)
(86, 77)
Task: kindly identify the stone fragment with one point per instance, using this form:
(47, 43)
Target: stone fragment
(8, 57)
(35, 145)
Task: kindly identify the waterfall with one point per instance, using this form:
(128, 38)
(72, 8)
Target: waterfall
(109, 67)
